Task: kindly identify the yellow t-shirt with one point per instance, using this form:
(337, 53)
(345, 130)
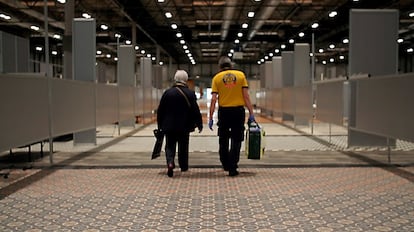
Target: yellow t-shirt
(228, 84)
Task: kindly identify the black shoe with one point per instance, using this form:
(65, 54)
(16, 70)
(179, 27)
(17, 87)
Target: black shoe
(184, 169)
(233, 173)
(170, 171)
(225, 168)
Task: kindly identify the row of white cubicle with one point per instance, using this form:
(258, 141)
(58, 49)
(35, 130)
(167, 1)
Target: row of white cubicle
(381, 106)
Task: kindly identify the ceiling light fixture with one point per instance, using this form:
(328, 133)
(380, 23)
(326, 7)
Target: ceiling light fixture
(250, 14)
(168, 15)
(315, 25)
(245, 25)
(104, 27)
(411, 14)
(4, 16)
(56, 36)
(301, 34)
(174, 26)
(345, 41)
(35, 28)
(86, 15)
(179, 35)
(400, 40)
(333, 14)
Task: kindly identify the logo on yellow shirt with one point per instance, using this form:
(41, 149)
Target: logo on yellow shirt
(229, 80)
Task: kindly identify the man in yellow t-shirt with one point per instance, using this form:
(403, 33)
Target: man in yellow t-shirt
(230, 89)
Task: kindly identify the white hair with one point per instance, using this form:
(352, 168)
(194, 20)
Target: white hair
(181, 76)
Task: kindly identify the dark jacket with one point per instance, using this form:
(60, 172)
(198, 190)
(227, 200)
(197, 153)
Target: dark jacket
(174, 114)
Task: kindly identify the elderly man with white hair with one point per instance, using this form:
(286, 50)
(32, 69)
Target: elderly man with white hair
(178, 114)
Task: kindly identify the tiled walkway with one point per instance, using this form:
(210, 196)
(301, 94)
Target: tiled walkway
(303, 183)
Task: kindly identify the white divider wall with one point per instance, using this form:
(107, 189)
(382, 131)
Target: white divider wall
(73, 106)
(24, 110)
(106, 104)
(126, 103)
(330, 102)
(385, 106)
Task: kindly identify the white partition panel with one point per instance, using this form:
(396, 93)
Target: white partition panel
(106, 104)
(126, 102)
(139, 100)
(330, 102)
(385, 106)
(303, 102)
(24, 110)
(277, 101)
(288, 100)
(73, 106)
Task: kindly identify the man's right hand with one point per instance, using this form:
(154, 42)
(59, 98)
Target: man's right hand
(210, 124)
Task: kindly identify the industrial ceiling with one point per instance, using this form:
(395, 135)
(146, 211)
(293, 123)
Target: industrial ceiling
(208, 28)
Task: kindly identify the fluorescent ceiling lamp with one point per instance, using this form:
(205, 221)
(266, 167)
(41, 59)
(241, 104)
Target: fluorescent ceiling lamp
(245, 25)
(301, 34)
(250, 14)
(179, 35)
(315, 25)
(104, 27)
(174, 26)
(62, 1)
(333, 14)
(345, 41)
(35, 28)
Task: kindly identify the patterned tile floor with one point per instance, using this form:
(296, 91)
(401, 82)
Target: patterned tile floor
(206, 199)
(302, 184)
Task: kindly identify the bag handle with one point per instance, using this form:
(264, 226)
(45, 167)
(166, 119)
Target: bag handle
(185, 96)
